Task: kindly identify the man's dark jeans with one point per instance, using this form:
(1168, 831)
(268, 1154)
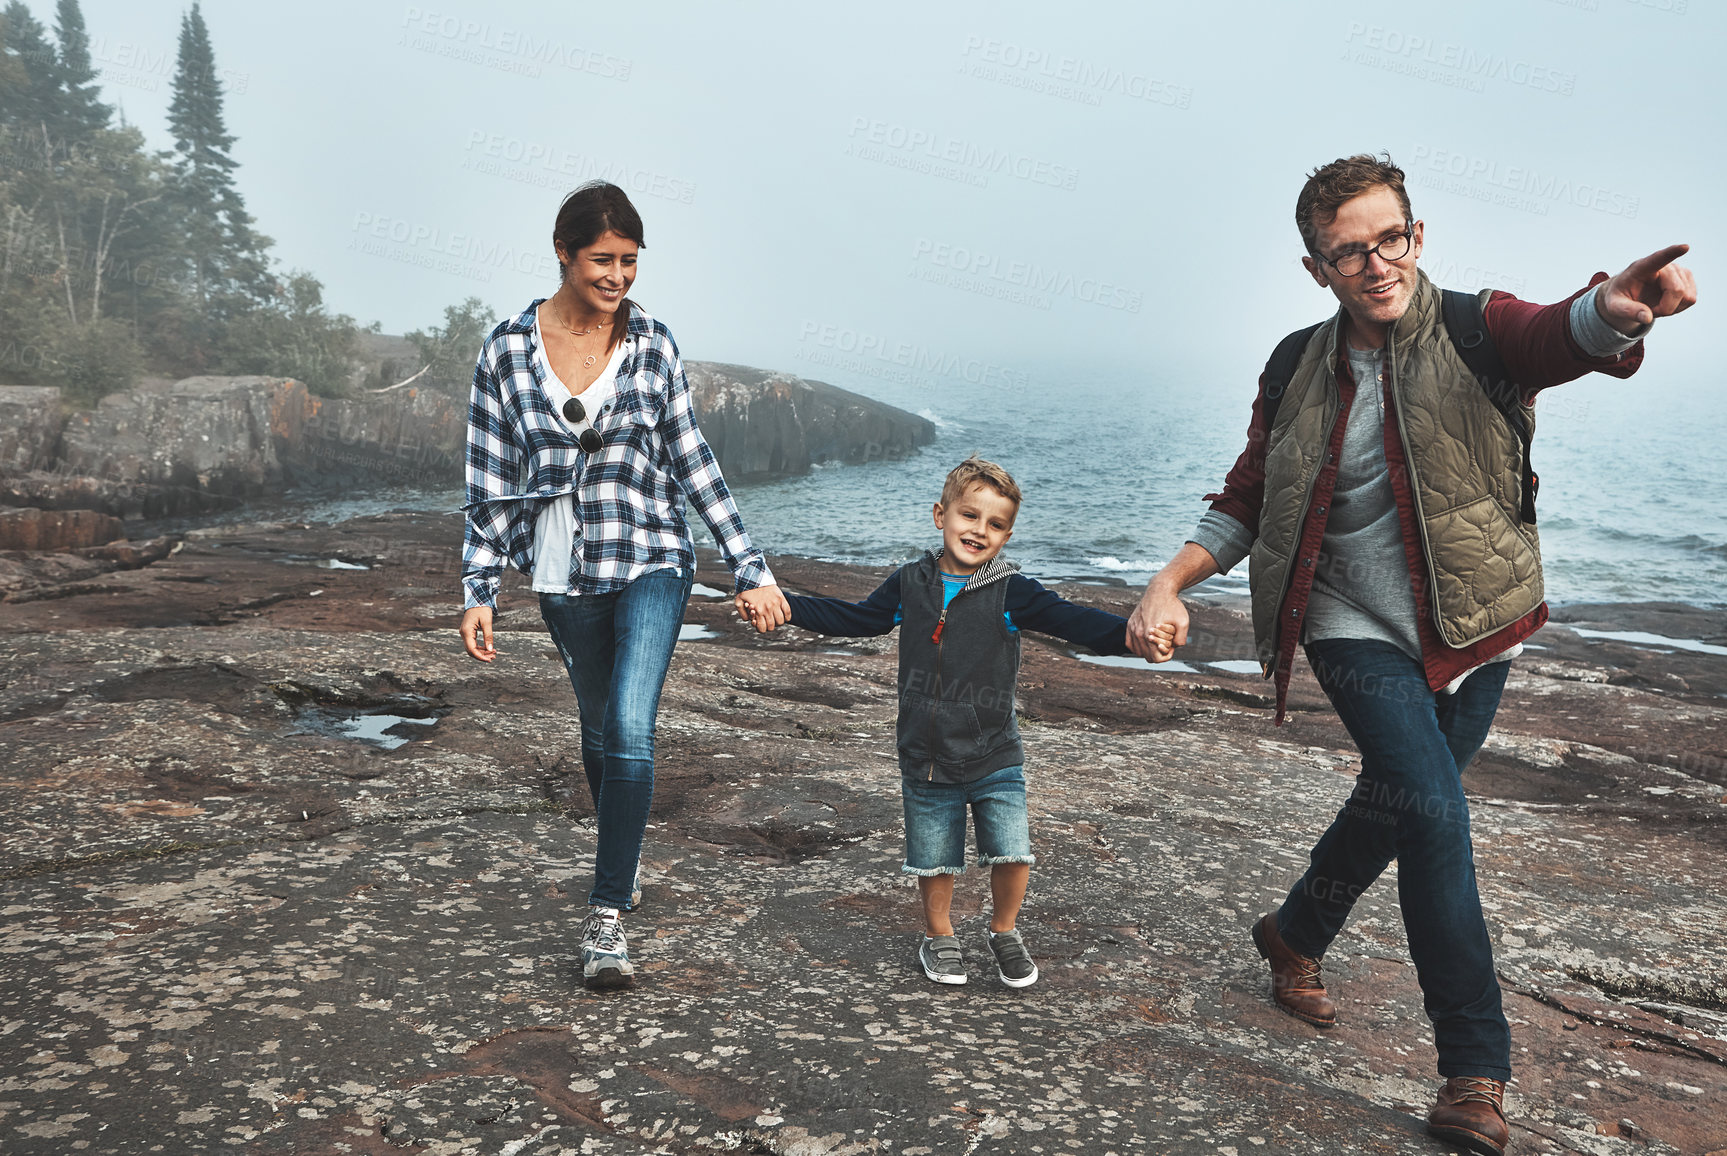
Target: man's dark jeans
(1408, 805)
(617, 647)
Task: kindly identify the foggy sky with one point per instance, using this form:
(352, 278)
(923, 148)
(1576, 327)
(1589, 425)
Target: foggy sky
(1030, 191)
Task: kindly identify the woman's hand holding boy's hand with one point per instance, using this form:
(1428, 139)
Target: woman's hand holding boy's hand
(764, 608)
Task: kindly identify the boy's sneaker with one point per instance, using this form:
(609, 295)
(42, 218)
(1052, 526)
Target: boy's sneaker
(636, 889)
(941, 959)
(1013, 963)
(605, 955)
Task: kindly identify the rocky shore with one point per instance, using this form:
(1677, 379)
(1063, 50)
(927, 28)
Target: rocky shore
(285, 872)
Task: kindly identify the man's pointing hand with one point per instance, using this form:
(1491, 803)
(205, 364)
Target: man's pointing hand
(1648, 288)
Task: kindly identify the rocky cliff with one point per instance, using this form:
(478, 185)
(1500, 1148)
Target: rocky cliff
(765, 424)
(203, 443)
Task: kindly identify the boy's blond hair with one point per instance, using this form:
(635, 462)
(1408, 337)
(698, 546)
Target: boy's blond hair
(974, 470)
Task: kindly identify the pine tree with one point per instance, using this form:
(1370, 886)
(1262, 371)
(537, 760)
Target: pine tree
(14, 79)
(81, 113)
(228, 269)
(37, 105)
(76, 211)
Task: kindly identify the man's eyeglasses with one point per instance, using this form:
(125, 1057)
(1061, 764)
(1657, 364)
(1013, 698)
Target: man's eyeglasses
(577, 415)
(1394, 248)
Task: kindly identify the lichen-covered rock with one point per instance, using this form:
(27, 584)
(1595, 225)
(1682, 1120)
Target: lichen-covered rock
(30, 421)
(213, 434)
(51, 490)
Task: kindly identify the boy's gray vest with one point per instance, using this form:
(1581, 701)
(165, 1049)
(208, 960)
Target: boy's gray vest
(956, 719)
(1483, 561)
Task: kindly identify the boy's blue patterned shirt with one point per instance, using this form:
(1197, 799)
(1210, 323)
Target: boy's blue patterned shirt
(629, 494)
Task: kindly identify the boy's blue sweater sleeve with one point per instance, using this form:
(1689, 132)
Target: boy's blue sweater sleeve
(877, 614)
(1031, 607)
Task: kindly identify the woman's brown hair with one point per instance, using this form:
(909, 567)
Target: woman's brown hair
(589, 213)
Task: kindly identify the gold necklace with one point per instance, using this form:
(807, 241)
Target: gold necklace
(568, 328)
(584, 332)
(588, 362)
(595, 328)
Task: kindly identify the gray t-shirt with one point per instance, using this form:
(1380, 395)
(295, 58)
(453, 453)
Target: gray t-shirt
(1361, 579)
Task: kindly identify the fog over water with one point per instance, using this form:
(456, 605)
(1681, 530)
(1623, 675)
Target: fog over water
(1064, 233)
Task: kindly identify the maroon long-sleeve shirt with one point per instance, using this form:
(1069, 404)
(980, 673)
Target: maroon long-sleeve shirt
(1539, 351)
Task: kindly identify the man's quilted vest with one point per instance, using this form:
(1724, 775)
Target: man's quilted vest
(1483, 561)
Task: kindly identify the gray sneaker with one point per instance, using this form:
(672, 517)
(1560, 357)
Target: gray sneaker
(636, 889)
(1013, 962)
(941, 959)
(605, 955)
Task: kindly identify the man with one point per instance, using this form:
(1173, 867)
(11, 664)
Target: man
(1386, 501)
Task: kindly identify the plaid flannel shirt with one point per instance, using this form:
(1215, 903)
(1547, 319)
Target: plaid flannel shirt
(628, 495)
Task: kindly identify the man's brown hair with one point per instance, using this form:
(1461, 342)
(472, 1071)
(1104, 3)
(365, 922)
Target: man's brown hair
(1344, 179)
(975, 470)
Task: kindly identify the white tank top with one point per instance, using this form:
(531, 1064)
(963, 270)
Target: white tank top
(555, 526)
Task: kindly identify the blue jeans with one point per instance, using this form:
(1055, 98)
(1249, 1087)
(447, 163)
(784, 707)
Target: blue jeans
(1408, 804)
(935, 822)
(617, 647)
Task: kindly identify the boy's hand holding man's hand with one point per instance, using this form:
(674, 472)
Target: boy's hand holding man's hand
(1162, 642)
(764, 608)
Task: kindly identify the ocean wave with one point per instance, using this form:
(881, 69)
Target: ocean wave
(1671, 541)
(1138, 565)
(930, 416)
(1607, 532)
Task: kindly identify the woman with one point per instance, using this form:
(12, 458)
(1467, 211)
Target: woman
(582, 445)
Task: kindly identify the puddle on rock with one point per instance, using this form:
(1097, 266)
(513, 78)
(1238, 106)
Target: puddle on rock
(1134, 662)
(321, 563)
(386, 726)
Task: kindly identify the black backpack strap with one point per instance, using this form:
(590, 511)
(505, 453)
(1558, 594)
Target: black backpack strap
(1281, 368)
(1467, 326)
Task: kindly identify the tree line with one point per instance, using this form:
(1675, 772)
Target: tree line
(118, 261)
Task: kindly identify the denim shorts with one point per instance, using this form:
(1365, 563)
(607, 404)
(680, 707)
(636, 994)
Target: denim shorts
(935, 822)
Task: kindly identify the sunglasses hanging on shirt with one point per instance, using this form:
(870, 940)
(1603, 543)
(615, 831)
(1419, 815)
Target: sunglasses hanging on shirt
(577, 415)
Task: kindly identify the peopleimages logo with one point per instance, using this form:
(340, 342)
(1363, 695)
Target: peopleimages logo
(875, 355)
(430, 247)
(1445, 62)
(547, 165)
(149, 66)
(1454, 274)
(509, 49)
(1064, 77)
(1022, 282)
(923, 150)
(1518, 181)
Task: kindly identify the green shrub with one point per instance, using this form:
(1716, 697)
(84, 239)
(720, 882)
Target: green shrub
(93, 359)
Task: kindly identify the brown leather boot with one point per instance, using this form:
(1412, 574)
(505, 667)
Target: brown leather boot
(1471, 1111)
(1295, 984)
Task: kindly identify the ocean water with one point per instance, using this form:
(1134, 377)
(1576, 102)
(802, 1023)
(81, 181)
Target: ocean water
(1632, 507)
(1633, 503)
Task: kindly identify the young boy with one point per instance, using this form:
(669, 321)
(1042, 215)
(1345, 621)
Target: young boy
(963, 609)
